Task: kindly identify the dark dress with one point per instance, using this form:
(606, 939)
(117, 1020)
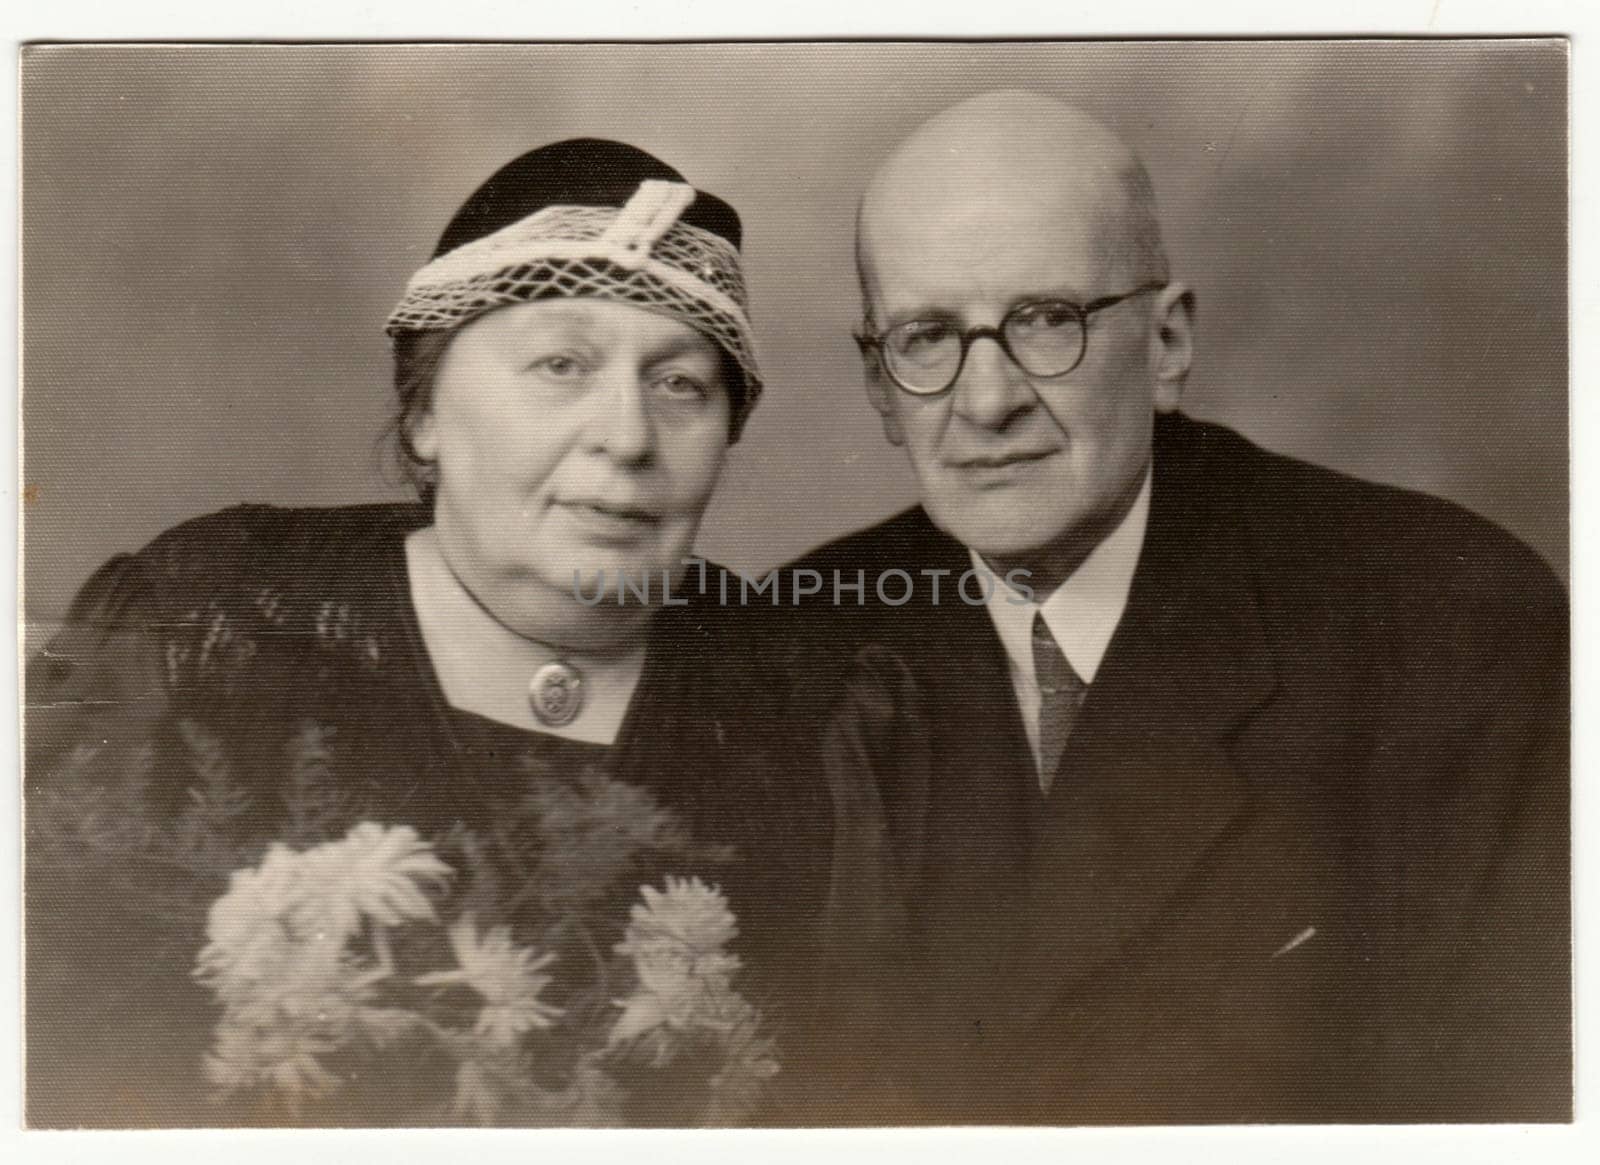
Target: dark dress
(260, 672)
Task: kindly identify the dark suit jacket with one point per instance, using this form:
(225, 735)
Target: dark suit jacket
(1306, 858)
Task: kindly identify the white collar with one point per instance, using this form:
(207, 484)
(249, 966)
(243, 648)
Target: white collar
(1084, 611)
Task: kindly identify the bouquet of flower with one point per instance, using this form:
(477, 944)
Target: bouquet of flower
(302, 956)
(361, 973)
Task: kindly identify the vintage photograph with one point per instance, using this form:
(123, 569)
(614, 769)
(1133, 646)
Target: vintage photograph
(795, 584)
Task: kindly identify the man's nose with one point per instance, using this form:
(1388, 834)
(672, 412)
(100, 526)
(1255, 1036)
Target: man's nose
(991, 389)
(620, 424)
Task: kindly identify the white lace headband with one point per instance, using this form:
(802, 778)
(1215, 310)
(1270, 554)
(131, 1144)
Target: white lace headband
(639, 254)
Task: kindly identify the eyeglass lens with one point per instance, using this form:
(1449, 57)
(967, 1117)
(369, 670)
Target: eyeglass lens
(1046, 339)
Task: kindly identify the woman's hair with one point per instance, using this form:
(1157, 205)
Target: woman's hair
(417, 356)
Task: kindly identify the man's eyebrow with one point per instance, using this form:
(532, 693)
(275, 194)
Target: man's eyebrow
(946, 315)
(921, 312)
(1063, 291)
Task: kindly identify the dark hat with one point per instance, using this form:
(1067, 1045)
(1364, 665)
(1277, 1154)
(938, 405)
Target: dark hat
(576, 172)
(588, 217)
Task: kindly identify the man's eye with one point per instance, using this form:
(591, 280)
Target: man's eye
(920, 335)
(1047, 316)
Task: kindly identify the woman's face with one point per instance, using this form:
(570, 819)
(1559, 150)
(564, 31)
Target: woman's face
(573, 436)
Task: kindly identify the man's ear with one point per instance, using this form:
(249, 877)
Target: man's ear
(1172, 344)
(880, 394)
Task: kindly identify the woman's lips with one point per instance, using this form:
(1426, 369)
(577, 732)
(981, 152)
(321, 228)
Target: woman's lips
(610, 520)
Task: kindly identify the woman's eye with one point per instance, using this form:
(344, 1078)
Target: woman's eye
(558, 367)
(682, 387)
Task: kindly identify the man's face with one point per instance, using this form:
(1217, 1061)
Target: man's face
(1014, 465)
(574, 436)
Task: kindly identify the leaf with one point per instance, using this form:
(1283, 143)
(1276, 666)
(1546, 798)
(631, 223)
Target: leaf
(594, 1100)
(315, 805)
(204, 837)
(83, 817)
(591, 833)
(477, 1099)
(491, 1086)
(483, 890)
(749, 1061)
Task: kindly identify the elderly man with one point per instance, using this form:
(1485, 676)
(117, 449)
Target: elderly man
(1244, 795)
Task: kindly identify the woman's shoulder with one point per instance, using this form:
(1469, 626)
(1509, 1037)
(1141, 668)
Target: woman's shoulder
(241, 553)
(248, 586)
(261, 538)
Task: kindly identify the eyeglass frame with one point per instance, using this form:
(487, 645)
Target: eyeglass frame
(873, 344)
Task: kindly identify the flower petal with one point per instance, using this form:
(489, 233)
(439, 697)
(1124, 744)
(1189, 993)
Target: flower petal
(640, 1014)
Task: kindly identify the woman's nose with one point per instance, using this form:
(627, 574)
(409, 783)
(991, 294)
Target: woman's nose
(621, 426)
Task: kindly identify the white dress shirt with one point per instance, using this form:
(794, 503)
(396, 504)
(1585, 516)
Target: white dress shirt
(1082, 614)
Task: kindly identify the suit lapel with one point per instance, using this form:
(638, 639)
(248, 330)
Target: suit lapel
(1147, 788)
(962, 834)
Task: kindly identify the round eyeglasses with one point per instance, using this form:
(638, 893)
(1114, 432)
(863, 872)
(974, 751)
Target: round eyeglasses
(1043, 337)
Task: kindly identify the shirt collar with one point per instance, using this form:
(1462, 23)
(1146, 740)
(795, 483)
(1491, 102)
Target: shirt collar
(1084, 611)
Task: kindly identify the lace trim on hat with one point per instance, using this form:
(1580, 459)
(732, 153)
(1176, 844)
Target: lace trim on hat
(639, 255)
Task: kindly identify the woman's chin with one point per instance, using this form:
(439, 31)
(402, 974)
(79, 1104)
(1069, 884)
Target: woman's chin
(597, 575)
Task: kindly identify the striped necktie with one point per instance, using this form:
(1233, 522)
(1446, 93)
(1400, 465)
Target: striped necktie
(1061, 694)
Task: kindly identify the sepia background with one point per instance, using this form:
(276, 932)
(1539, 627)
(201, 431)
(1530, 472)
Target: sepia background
(212, 237)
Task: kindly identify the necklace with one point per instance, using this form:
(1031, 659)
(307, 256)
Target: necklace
(556, 691)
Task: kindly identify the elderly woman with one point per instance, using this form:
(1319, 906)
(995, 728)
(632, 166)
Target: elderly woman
(519, 668)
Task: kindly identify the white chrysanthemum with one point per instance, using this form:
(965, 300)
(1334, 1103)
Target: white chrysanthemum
(272, 1031)
(676, 940)
(249, 1053)
(246, 938)
(291, 917)
(507, 976)
(374, 872)
(697, 916)
(685, 1003)
(278, 955)
(328, 991)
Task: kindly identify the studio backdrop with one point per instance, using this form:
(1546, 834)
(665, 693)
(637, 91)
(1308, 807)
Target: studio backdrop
(213, 235)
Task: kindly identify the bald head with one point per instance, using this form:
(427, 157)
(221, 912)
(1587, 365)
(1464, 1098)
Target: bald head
(1015, 154)
(974, 237)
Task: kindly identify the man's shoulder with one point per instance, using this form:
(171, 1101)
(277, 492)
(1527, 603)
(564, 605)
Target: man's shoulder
(1323, 523)
(1324, 544)
(907, 540)
(1317, 540)
(1296, 515)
